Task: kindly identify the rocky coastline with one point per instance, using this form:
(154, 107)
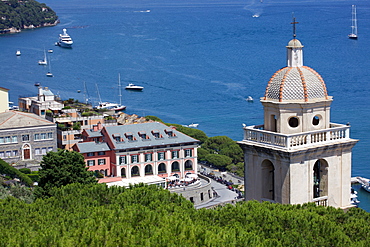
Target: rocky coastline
(18, 30)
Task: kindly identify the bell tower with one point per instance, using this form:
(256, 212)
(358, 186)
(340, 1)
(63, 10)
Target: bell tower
(297, 155)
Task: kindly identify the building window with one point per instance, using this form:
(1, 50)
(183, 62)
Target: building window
(86, 122)
(101, 153)
(101, 161)
(91, 162)
(122, 160)
(148, 157)
(1, 154)
(1, 139)
(134, 158)
(8, 154)
(7, 139)
(37, 151)
(43, 136)
(175, 154)
(64, 137)
(90, 154)
(161, 156)
(15, 153)
(188, 153)
(50, 135)
(37, 137)
(50, 149)
(14, 139)
(25, 138)
(43, 151)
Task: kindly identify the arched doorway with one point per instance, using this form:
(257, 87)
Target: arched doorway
(123, 172)
(175, 167)
(320, 178)
(26, 150)
(135, 171)
(148, 170)
(268, 180)
(162, 168)
(188, 165)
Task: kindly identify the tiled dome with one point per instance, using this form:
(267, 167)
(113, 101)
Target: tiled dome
(298, 84)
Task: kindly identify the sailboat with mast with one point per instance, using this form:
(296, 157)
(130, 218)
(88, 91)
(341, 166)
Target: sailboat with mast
(45, 61)
(108, 105)
(119, 107)
(353, 34)
(49, 74)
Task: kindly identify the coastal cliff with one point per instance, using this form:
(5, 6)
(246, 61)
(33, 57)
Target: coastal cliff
(17, 15)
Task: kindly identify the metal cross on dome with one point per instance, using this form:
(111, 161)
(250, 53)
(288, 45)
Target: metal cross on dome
(294, 22)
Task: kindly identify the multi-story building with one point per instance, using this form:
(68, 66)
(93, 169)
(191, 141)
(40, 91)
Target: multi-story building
(146, 152)
(25, 137)
(40, 104)
(71, 123)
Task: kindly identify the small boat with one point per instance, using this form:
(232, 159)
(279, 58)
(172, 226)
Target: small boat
(105, 105)
(37, 84)
(45, 61)
(18, 53)
(255, 16)
(132, 86)
(50, 51)
(193, 125)
(65, 40)
(249, 99)
(354, 200)
(353, 34)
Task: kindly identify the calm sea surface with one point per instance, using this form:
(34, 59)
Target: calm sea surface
(198, 60)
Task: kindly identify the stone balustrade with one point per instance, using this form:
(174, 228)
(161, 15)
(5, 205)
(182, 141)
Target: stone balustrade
(257, 134)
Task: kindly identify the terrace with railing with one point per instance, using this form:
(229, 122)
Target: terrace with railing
(257, 134)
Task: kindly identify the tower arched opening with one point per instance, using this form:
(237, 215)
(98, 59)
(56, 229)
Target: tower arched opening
(320, 178)
(268, 180)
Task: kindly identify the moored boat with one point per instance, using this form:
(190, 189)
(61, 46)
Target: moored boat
(132, 86)
(65, 40)
(44, 61)
(18, 53)
(353, 34)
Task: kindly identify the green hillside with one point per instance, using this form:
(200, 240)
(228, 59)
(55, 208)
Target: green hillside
(16, 15)
(94, 215)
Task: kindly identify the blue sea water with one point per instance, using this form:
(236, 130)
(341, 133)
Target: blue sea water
(198, 60)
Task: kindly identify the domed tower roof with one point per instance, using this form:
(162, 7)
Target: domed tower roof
(301, 84)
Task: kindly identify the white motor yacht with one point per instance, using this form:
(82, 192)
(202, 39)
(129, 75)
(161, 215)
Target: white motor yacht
(65, 40)
(132, 86)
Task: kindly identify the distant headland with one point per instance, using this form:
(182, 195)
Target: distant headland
(17, 15)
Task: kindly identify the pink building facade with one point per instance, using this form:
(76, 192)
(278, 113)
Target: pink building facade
(138, 152)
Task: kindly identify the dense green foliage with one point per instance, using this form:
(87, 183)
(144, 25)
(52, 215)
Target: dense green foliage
(94, 215)
(7, 169)
(20, 14)
(61, 168)
(23, 193)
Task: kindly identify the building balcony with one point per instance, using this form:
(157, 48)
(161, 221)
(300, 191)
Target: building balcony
(257, 135)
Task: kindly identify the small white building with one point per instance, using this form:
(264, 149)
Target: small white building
(298, 155)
